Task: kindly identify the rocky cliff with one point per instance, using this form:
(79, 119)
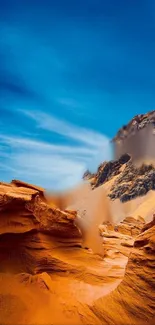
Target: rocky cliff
(132, 181)
(138, 123)
(30, 229)
(136, 139)
(47, 276)
(133, 301)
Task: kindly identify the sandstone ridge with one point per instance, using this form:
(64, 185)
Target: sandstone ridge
(30, 229)
(47, 277)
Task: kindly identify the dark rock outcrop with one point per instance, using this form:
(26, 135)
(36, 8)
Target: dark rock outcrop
(88, 175)
(133, 182)
(109, 169)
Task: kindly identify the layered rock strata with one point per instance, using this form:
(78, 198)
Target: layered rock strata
(30, 229)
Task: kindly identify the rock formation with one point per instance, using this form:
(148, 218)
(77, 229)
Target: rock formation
(88, 175)
(30, 229)
(119, 239)
(133, 301)
(108, 170)
(138, 123)
(137, 139)
(47, 277)
(131, 182)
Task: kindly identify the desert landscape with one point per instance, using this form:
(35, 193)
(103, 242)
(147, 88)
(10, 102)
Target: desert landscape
(86, 256)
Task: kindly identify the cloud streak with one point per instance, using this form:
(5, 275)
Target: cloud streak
(44, 164)
(53, 124)
(54, 166)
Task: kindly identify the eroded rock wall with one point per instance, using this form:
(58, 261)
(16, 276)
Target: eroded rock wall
(133, 302)
(30, 229)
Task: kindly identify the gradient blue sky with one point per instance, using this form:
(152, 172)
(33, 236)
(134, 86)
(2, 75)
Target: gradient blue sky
(71, 73)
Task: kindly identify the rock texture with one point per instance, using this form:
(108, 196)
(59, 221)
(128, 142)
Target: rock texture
(134, 164)
(108, 170)
(19, 183)
(137, 139)
(133, 302)
(137, 123)
(30, 229)
(46, 277)
(119, 239)
(131, 181)
(88, 175)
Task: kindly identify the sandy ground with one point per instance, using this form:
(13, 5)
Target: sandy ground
(59, 298)
(94, 207)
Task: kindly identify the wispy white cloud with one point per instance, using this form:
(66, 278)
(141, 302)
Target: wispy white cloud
(44, 164)
(54, 166)
(53, 124)
(5, 167)
(26, 143)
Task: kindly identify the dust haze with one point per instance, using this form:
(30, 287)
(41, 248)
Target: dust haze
(92, 208)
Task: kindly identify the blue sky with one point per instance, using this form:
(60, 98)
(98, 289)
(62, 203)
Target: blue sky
(71, 74)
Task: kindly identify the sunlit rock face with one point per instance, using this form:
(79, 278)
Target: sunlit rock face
(133, 301)
(30, 229)
(48, 276)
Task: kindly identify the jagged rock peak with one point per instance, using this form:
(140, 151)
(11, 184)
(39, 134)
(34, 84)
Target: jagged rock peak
(131, 181)
(109, 169)
(137, 123)
(88, 175)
